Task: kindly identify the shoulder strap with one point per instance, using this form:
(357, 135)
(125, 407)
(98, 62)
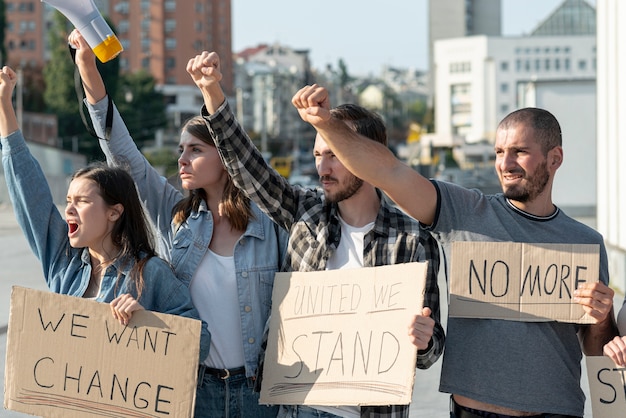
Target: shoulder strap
(80, 94)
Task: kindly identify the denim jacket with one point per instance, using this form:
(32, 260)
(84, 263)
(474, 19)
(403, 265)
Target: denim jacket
(67, 270)
(258, 253)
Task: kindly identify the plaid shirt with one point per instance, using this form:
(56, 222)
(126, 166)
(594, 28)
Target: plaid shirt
(314, 229)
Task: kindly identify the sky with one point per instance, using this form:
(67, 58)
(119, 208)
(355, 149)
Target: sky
(366, 34)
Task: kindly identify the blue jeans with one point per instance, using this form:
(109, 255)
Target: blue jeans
(302, 411)
(233, 397)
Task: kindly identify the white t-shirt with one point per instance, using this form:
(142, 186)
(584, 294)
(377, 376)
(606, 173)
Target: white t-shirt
(214, 294)
(349, 254)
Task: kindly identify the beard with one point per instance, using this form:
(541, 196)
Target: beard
(350, 186)
(532, 187)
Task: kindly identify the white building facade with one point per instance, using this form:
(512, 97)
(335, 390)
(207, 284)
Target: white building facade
(611, 134)
(481, 79)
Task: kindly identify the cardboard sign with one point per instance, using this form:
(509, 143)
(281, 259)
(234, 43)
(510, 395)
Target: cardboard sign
(520, 281)
(340, 337)
(607, 387)
(68, 357)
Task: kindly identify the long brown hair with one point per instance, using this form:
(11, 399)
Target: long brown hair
(235, 204)
(131, 232)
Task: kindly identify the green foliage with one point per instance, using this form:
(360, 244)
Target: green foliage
(33, 88)
(59, 96)
(144, 113)
(344, 77)
(141, 106)
(164, 158)
(416, 111)
(3, 24)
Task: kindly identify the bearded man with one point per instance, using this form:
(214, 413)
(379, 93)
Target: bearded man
(493, 368)
(346, 223)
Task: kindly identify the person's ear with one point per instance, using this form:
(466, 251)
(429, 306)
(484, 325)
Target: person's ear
(555, 157)
(115, 212)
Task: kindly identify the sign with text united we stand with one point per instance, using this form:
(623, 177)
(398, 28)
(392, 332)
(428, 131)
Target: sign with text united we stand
(68, 357)
(521, 281)
(340, 337)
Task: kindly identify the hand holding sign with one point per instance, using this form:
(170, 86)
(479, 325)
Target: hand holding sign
(339, 337)
(527, 282)
(596, 299)
(123, 306)
(421, 329)
(616, 350)
(67, 358)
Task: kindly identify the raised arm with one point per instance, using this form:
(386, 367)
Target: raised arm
(243, 161)
(35, 211)
(205, 71)
(367, 159)
(8, 119)
(120, 148)
(85, 59)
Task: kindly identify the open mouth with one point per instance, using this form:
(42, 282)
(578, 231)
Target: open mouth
(72, 226)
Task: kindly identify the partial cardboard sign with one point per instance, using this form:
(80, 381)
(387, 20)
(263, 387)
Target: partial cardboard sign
(68, 357)
(521, 281)
(607, 387)
(340, 337)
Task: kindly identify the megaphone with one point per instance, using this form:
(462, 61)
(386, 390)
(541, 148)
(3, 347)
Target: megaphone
(85, 17)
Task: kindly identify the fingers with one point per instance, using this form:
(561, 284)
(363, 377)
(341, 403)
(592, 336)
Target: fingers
(207, 65)
(310, 96)
(596, 299)
(313, 104)
(77, 40)
(84, 53)
(123, 306)
(74, 38)
(616, 350)
(8, 80)
(8, 74)
(421, 329)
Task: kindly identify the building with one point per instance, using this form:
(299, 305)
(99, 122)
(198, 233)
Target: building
(24, 34)
(480, 79)
(611, 133)
(458, 18)
(266, 77)
(158, 36)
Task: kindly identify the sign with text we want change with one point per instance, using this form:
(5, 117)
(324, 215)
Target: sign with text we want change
(68, 357)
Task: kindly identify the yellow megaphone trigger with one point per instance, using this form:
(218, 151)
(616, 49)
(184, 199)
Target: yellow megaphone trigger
(108, 49)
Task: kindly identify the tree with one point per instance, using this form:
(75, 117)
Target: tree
(3, 25)
(141, 106)
(34, 86)
(60, 95)
(344, 77)
(417, 111)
